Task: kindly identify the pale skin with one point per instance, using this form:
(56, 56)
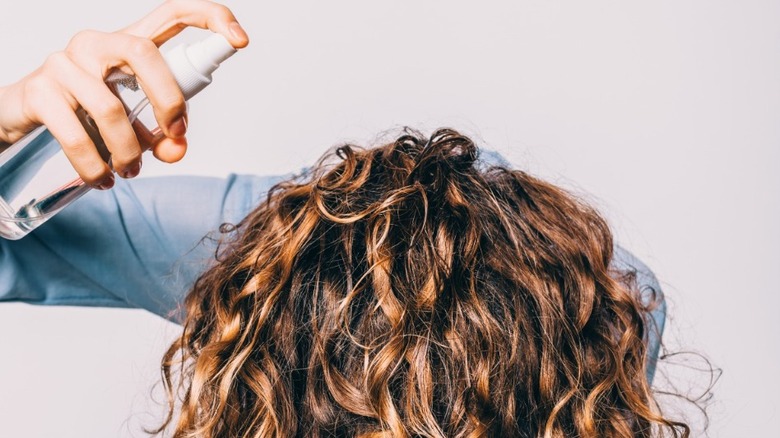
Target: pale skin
(74, 77)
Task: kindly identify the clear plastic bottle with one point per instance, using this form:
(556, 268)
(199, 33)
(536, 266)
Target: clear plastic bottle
(36, 178)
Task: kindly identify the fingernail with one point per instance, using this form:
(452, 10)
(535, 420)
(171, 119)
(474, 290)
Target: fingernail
(107, 182)
(179, 127)
(238, 32)
(132, 171)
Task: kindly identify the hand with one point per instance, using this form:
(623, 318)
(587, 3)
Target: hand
(75, 77)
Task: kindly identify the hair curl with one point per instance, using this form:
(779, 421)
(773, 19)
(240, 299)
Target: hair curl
(406, 290)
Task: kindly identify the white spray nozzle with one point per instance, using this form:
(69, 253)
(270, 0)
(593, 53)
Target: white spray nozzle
(193, 65)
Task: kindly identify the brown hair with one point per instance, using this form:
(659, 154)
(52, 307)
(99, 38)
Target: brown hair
(407, 290)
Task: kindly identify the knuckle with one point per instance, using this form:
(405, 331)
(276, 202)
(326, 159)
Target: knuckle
(173, 104)
(35, 92)
(93, 174)
(55, 61)
(125, 150)
(142, 47)
(76, 143)
(179, 4)
(108, 109)
(80, 41)
(211, 9)
(124, 160)
(223, 12)
(34, 85)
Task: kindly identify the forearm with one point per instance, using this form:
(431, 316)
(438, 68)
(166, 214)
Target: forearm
(138, 245)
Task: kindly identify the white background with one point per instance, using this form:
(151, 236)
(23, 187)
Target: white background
(665, 113)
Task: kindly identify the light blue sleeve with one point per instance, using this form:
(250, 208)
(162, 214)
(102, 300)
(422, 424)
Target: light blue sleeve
(624, 262)
(139, 245)
(145, 242)
(651, 292)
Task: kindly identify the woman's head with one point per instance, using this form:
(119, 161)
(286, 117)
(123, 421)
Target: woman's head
(412, 290)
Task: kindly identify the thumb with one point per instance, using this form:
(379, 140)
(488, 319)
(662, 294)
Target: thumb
(173, 16)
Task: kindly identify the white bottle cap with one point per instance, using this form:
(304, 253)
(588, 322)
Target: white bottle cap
(192, 65)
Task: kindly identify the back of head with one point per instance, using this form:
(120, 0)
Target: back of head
(411, 290)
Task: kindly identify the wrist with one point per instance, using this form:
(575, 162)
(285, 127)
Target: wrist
(4, 140)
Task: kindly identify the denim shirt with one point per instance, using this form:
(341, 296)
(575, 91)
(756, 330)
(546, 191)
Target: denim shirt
(142, 245)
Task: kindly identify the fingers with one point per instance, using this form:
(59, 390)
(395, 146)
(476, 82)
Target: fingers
(170, 150)
(96, 52)
(71, 84)
(105, 109)
(173, 16)
(48, 105)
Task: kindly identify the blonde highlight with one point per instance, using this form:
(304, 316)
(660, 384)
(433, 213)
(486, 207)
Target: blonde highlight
(409, 291)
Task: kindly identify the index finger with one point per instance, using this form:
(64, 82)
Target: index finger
(173, 16)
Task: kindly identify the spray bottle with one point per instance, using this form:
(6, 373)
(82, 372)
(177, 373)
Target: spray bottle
(36, 178)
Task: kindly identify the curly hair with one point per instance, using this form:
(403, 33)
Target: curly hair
(407, 290)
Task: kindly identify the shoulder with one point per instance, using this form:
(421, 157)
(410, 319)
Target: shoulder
(651, 295)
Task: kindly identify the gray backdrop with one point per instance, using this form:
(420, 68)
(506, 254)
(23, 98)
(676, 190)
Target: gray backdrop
(665, 114)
